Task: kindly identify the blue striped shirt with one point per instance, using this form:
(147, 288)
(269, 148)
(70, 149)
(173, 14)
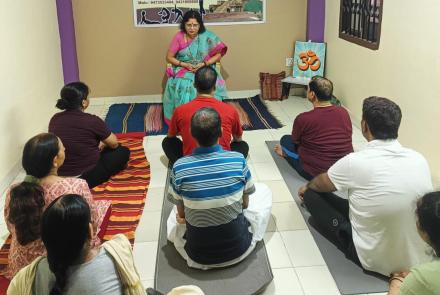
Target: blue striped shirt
(210, 185)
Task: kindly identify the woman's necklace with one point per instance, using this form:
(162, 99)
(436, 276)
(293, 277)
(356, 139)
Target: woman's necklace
(193, 61)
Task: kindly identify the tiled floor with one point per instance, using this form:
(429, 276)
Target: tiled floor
(296, 261)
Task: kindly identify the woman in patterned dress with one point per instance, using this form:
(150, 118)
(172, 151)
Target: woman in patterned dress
(43, 154)
(191, 48)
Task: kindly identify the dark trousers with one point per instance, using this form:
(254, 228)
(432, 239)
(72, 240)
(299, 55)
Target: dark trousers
(330, 213)
(111, 162)
(287, 143)
(173, 148)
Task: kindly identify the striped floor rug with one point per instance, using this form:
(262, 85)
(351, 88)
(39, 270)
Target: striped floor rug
(127, 191)
(148, 117)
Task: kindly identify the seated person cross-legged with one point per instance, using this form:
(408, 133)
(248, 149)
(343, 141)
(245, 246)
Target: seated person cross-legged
(376, 226)
(204, 82)
(92, 150)
(72, 265)
(220, 214)
(319, 137)
(422, 279)
(43, 155)
(191, 48)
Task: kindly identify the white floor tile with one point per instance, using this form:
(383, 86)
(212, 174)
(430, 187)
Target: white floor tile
(148, 228)
(267, 171)
(253, 172)
(153, 148)
(271, 226)
(280, 192)
(155, 197)
(251, 135)
(158, 177)
(278, 256)
(302, 248)
(259, 153)
(280, 132)
(145, 259)
(316, 280)
(285, 282)
(287, 216)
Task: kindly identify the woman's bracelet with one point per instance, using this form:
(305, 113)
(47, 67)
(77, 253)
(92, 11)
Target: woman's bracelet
(395, 278)
(180, 63)
(206, 64)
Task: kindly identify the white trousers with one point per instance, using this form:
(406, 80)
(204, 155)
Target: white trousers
(257, 213)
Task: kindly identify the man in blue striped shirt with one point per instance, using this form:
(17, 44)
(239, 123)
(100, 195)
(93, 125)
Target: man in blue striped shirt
(210, 189)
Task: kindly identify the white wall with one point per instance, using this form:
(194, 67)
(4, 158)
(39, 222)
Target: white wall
(30, 75)
(406, 69)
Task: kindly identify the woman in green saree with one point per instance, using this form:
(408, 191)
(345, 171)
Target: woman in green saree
(191, 48)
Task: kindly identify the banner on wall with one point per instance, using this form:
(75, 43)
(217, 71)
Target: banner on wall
(308, 59)
(154, 13)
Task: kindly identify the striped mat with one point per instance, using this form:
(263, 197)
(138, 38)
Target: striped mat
(127, 191)
(148, 117)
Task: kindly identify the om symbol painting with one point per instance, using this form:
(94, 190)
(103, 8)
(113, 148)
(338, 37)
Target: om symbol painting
(309, 59)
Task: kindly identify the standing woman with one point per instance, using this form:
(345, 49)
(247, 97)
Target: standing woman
(191, 48)
(25, 203)
(92, 150)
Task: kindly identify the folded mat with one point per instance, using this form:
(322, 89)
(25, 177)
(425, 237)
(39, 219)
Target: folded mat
(349, 277)
(247, 277)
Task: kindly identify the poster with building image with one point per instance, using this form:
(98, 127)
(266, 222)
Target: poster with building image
(153, 13)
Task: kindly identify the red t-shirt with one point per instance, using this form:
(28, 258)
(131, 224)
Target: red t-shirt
(323, 136)
(80, 133)
(181, 122)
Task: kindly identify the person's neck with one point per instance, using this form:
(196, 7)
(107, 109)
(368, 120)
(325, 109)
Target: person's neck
(321, 104)
(51, 178)
(188, 37)
(205, 95)
(87, 254)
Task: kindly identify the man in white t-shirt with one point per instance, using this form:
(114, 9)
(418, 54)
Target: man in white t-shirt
(376, 226)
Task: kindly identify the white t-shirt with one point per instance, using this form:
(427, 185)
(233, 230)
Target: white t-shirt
(384, 182)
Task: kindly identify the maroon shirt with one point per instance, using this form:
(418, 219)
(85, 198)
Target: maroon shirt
(80, 133)
(323, 136)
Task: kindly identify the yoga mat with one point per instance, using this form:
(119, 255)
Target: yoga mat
(349, 277)
(127, 190)
(250, 276)
(136, 117)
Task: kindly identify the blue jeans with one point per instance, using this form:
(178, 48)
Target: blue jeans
(292, 157)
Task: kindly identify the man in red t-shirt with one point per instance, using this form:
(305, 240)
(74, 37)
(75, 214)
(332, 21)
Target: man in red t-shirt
(204, 81)
(319, 137)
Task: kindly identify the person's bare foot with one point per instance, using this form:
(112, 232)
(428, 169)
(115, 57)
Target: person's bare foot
(279, 151)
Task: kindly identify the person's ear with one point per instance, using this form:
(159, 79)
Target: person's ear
(55, 162)
(364, 126)
(90, 231)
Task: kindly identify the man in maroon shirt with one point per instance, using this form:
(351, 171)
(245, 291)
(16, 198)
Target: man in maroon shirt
(204, 81)
(319, 137)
